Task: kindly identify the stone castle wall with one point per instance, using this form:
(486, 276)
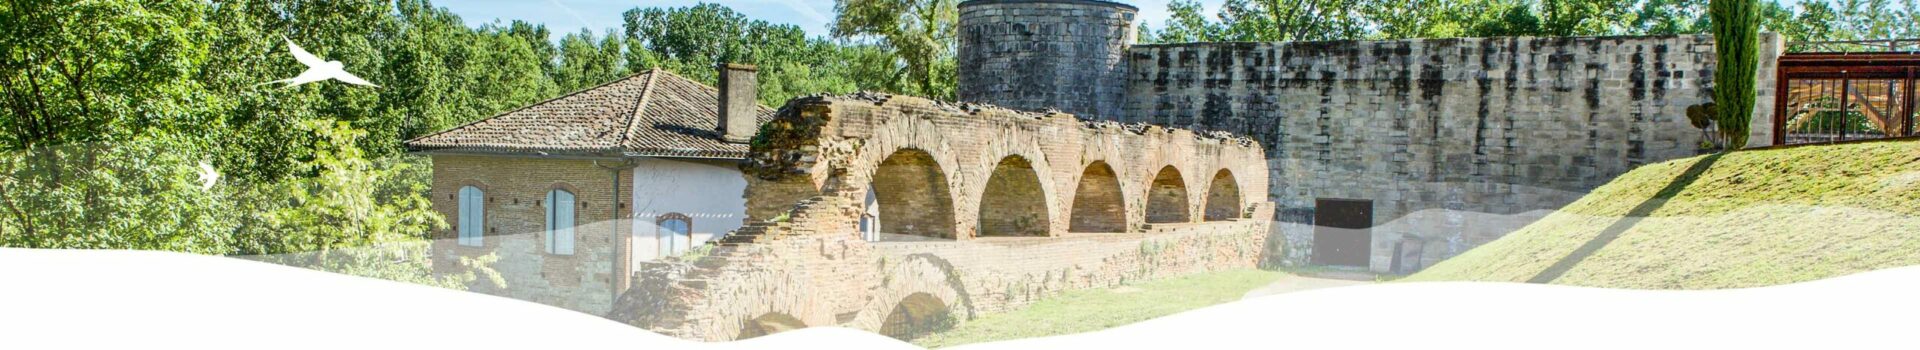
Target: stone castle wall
(1460, 126)
(1034, 55)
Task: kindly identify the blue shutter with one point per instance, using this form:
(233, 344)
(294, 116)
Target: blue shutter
(472, 216)
(560, 222)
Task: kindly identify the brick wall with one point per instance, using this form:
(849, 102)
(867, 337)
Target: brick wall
(809, 266)
(516, 190)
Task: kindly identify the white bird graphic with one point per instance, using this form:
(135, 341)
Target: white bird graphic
(317, 70)
(208, 176)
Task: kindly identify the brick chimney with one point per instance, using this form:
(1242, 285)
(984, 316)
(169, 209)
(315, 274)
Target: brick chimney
(739, 106)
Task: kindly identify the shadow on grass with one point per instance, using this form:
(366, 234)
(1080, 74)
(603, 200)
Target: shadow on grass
(1632, 218)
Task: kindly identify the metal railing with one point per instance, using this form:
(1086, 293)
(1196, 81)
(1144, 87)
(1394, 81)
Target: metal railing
(1878, 45)
(1833, 97)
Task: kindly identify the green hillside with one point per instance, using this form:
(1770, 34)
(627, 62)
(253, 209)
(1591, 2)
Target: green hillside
(1745, 219)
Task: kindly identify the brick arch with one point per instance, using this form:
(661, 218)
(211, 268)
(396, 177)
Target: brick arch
(476, 183)
(1099, 204)
(915, 316)
(1167, 197)
(915, 195)
(977, 175)
(1013, 201)
(928, 275)
(1223, 197)
(768, 323)
(858, 174)
(1121, 151)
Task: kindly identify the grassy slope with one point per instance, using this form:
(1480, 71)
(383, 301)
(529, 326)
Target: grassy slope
(1750, 218)
(1096, 309)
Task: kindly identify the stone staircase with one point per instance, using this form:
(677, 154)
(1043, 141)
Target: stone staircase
(736, 247)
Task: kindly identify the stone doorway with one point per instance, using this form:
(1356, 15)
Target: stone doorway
(1342, 231)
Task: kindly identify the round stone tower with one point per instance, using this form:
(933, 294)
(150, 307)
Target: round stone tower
(1068, 55)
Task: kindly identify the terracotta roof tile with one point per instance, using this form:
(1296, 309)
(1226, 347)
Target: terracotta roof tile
(655, 113)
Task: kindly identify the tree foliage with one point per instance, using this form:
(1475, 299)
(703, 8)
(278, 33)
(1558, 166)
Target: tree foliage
(111, 107)
(1308, 20)
(920, 32)
(1736, 39)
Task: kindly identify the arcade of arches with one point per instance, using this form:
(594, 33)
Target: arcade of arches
(902, 215)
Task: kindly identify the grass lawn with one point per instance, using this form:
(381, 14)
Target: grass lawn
(1096, 309)
(1744, 219)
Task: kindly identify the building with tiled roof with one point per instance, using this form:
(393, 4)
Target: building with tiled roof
(651, 114)
(570, 193)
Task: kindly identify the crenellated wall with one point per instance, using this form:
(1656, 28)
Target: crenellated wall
(1461, 126)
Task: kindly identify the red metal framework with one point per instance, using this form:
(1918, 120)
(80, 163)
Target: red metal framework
(1876, 45)
(1833, 97)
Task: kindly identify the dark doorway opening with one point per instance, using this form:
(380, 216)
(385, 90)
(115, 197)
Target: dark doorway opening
(1342, 231)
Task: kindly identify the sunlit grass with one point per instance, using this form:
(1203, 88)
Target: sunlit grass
(1096, 309)
(1750, 218)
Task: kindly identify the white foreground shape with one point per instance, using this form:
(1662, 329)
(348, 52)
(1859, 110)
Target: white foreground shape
(1862, 311)
(106, 299)
(79, 299)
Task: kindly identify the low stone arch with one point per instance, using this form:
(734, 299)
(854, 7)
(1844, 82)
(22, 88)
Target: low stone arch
(1167, 197)
(1099, 204)
(1014, 202)
(769, 323)
(1223, 197)
(979, 169)
(914, 196)
(917, 315)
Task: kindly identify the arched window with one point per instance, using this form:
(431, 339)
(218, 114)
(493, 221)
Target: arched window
(675, 232)
(473, 216)
(560, 222)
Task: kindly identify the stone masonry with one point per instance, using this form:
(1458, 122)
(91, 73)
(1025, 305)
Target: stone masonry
(1068, 55)
(802, 260)
(1458, 127)
(1481, 125)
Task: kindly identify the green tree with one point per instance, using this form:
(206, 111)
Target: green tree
(586, 61)
(351, 201)
(142, 192)
(1736, 47)
(75, 72)
(920, 32)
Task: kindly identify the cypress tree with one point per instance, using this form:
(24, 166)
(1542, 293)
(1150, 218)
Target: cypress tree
(1736, 32)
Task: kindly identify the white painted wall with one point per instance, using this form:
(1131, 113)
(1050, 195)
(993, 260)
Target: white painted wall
(709, 191)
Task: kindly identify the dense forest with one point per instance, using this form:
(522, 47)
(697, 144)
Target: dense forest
(111, 108)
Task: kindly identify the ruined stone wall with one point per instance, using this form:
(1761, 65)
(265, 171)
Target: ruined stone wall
(811, 266)
(1036, 55)
(1485, 125)
(515, 191)
(813, 270)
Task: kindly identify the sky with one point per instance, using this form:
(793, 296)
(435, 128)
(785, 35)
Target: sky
(568, 16)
